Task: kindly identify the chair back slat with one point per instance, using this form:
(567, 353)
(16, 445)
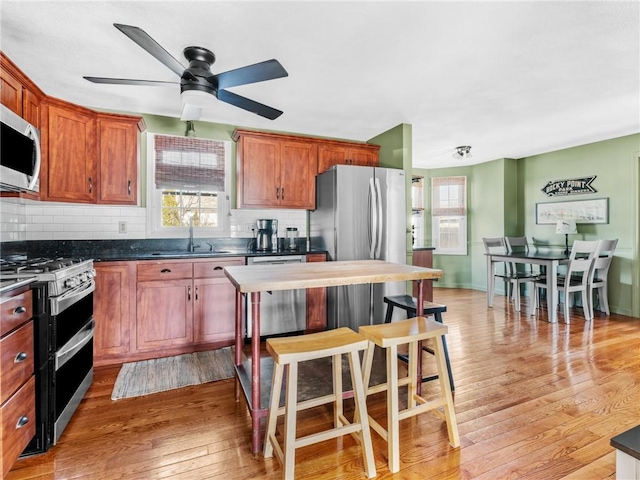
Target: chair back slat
(602, 260)
(496, 245)
(581, 259)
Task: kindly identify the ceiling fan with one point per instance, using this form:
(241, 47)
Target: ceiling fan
(197, 83)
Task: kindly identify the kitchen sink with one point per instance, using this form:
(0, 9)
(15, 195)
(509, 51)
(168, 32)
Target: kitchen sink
(182, 253)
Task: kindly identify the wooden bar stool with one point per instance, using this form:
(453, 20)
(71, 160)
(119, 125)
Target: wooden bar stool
(388, 336)
(287, 352)
(408, 303)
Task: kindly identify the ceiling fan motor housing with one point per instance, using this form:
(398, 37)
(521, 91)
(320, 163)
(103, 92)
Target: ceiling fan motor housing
(198, 75)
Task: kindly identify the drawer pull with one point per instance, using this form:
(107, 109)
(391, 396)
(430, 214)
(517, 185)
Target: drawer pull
(165, 270)
(217, 268)
(19, 310)
(22, 421)
(21, 357)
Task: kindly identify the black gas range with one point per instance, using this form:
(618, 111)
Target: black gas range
(63, 338)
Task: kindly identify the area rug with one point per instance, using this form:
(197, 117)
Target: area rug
(160, 374)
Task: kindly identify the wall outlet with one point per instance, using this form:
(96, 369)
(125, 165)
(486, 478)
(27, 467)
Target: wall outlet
(122, 227)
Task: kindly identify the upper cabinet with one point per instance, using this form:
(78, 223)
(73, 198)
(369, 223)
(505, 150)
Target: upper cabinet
(18, 92)
(275, 170)
(330, 154)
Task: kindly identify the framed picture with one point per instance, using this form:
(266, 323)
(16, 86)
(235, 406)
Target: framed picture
(582, 211)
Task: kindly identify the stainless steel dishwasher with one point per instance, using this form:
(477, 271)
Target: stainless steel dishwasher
(281, 311)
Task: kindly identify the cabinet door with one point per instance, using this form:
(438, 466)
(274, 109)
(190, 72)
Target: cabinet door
(298, 167)
(260, 172)
(330, 155)
(31, 108)
(112, 309)
(10, 92)
(71, 170)
(214, 310)
(363, 157)
(164, 314)
(316, 301)
(118, 157)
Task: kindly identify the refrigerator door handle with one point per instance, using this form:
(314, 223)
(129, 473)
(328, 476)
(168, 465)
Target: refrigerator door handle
(373, 219)
(379, 219)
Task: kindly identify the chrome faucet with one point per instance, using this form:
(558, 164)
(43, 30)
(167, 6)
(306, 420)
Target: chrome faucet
(191, 246)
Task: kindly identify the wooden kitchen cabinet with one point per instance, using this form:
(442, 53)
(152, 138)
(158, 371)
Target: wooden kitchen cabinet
(424, 258)
(113, 310)
(214, 318)
(10, 91)
(276, 171)
(17, 380)
(18, 92)
(118, 159)
(69, 169)
(340, 153)
(316, 301)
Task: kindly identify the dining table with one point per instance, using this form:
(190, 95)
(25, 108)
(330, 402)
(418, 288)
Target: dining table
(251, 281)
(551, 260)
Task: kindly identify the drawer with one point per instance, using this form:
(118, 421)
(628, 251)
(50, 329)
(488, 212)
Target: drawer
(16, 310)
(18, 420)
(164, 271)
(214, 267)
(16, 360)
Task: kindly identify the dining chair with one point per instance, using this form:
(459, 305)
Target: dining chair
(576, 279)
(599, 274)
(510, 275)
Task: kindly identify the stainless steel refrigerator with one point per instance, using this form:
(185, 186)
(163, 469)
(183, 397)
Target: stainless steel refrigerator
(360, 214)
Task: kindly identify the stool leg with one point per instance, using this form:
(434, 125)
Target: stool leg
(274, 405)
(438, 317)
(337, 390)
(290, 420)
(393, 409)
(387, 318)
(449, 411)
(360, 398)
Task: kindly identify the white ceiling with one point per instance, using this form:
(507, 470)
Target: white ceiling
(511, 79)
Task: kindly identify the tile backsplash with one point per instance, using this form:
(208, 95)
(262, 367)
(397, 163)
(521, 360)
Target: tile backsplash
(27, 220)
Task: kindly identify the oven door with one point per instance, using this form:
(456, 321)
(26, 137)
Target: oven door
(72, 357)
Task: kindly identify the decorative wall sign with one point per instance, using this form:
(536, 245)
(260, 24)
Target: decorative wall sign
(582, 211)
(572, 186)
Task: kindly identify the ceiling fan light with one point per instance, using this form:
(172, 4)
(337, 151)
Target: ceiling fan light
(197, 98)
(462, 153)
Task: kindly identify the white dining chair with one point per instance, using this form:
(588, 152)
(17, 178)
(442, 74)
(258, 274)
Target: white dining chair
(599, 274)
(509, 274)
(576, 279)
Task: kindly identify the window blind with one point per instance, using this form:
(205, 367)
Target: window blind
(449, 196)
(187, 163)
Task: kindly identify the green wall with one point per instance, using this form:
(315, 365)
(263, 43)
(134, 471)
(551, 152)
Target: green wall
(502, 197)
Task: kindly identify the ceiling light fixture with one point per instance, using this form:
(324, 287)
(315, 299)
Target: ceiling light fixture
(462, 153)
(197, 98)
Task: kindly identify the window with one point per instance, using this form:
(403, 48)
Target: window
(187, 182)
(449, 215)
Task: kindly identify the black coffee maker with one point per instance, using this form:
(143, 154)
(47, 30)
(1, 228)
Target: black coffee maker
(267, 239)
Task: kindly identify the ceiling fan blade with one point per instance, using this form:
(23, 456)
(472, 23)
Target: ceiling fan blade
(258, 72)
(190, 112)
(125, 81)
(247, 104)
(143, 39)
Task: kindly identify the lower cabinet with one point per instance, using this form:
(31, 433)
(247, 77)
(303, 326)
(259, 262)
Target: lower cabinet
(149, 309)
(316, 301)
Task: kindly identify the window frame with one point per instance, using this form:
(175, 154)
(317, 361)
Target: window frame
(154, 198)
(460, 213)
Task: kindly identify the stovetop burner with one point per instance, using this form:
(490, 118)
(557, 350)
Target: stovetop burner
(37, 265)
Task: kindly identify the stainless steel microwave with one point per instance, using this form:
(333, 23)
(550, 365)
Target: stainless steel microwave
(20, 153)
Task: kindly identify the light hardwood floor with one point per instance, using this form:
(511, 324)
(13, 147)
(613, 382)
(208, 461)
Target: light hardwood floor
(533, 401)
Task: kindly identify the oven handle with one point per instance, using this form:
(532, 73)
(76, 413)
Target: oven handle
(62, 302)
(76, 342)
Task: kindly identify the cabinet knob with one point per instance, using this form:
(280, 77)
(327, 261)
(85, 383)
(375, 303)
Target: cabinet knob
(21, 357)
(165, 270)
(19, 310)
(22, 421)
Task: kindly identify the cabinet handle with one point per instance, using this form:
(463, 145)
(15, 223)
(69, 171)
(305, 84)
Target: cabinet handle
(22, 421)
(189, 293)
(277, 193)
(21, 357)
(19, 310)
(196, 292)
(129, 187)
(282, 193)
(90, 185)
(217, 268)
(165, 270)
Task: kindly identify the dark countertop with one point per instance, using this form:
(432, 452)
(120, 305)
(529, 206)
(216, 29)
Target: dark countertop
(112, 256)
(628, 442)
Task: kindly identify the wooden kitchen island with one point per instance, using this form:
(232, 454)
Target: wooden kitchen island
(254, 279)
